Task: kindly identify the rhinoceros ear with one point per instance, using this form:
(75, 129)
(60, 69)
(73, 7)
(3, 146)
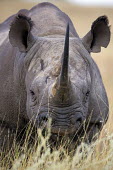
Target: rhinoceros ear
(20, 33)
(98, 36)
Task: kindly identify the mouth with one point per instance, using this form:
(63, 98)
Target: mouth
(61, 137)
(65, 130)
(62, 123)
(69, 118)
(60, 134)
(67, 141)
(59, 130)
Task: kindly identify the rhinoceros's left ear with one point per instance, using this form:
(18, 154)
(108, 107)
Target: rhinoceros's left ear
(98, 36)
(20, 33)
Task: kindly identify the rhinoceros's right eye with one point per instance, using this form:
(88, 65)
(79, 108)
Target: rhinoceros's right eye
(33, 96)
(32, 92)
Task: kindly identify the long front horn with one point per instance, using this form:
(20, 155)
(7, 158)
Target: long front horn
(65, 61)
(61, 88)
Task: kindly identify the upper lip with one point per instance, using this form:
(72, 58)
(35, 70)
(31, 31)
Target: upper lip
(65, 130)
(61, 115)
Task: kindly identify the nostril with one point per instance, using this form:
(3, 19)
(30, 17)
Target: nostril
(79, 120)
(45, 118)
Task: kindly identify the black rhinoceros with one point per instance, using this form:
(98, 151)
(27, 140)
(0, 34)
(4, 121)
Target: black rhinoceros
(46, 71)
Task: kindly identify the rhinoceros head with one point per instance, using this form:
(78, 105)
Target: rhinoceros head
(58, 74)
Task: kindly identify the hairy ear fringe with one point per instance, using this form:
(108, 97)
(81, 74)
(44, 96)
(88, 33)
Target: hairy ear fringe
(103, 19)
(23, 17)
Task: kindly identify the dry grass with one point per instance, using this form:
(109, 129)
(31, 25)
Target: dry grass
(98, 155)
(40, 157)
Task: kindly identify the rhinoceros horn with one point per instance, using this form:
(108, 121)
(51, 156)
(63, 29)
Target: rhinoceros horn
(61, 87)
(65, 61)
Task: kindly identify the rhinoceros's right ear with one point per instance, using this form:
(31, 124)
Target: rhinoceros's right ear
(20, 33)
(98, 36)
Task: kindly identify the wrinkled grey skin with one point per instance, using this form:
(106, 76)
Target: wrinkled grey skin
(30, 66)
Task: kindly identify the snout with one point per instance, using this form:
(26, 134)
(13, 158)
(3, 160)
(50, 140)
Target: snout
(63, 124)
(68, 125)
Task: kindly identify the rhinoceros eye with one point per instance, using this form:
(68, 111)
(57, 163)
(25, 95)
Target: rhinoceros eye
(32, 92)
(87, 94)
(33, 96)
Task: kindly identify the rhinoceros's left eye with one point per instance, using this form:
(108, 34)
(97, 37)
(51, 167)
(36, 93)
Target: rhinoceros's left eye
(86, 96)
